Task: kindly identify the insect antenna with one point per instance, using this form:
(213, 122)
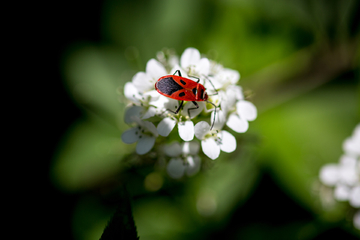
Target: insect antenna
(212, 125)
(216, 92)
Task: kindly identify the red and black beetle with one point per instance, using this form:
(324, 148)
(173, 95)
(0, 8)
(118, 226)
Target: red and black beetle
(183, 89)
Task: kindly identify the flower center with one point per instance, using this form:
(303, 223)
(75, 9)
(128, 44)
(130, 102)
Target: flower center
(140, 132)
(215, 135)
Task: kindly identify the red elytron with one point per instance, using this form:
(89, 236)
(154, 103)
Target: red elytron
(183, 89)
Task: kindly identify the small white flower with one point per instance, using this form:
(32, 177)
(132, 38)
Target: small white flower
(133, 113)
(184, 159)
(185, 126)
(345, 176)
(145, 81)
(329, 174)
(146, 100)
(223, 78)
(141, 90)
(238, 120)
(212, 141)
(342, 192)
(193, 64)
(239, 111)
(144, 133)
(186, 129)
(346, 172)
(231, 108)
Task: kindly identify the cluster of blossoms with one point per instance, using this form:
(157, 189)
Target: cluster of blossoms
(345, 176)
(151, 120)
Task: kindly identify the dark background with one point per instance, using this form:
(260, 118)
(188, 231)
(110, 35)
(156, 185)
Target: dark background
(53, 112)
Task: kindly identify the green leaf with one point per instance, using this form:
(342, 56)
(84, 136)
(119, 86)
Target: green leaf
(90, 152)
(302, 135)
(93, 74)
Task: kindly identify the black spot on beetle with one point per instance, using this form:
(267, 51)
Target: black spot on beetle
(181, 94)
(194, 90)
(202, 93)
(183, 82)
(168, 86)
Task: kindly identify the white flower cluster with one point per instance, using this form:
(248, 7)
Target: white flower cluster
(345, 176)
(150, 117)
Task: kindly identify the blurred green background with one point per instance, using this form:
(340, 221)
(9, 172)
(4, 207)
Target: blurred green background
(299, 62)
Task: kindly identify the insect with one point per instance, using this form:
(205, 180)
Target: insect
(183, 89)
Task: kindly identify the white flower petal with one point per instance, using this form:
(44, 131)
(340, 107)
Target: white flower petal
(246, 110)
(150, 113)
(166, 126)
(238, 92)
(354, 198)
(131, 112)
(193, 112)
(151, 96)
(201, 129)
(186, 148)
(173, 60)
(228, 142)
(160, 103)
(228, 76)
(131, 92)
(191, 56)
(173, 150)
(341, 192)
(348, 161)
(357, 220)
(203, 67)
(145, 144)
(210, 148)
(150, 127)
(190, 148)
(142, 82)
(237, 124)
(220, 119)
(190, 161)
(155, 69)
(348, 174)
(130, 136)
(193, 166)
(233, 93)
(228, 99)
(186, 130)
(215, 99)
(171, 104)
(215, 68)
(329, 174)
(175, 168)
(352, 146)
(209, 87)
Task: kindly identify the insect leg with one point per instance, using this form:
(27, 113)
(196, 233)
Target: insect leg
(178, 109)
(177, 71)
(198, 79)
(196, 107)
(212, 125)
(216, 92)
